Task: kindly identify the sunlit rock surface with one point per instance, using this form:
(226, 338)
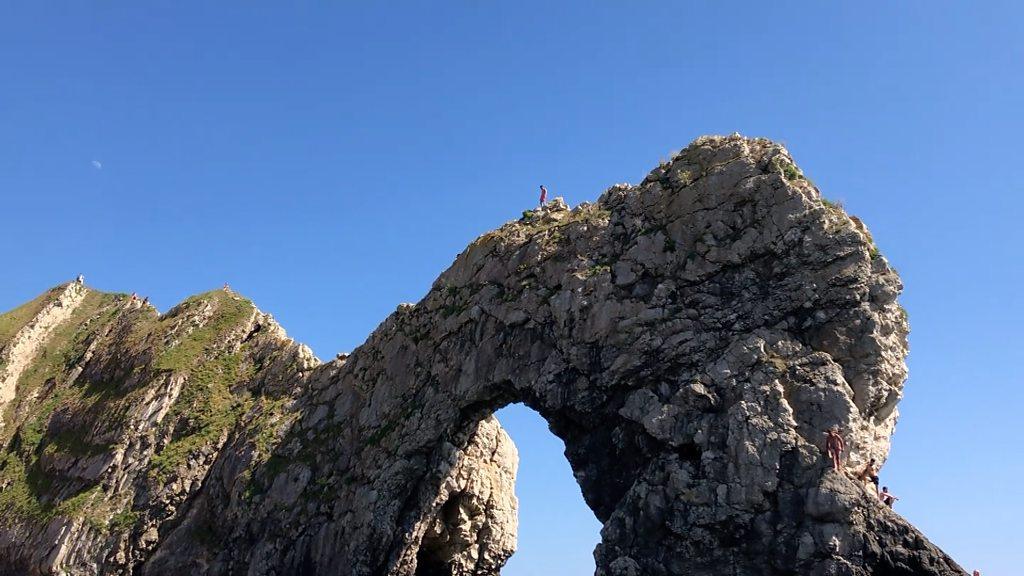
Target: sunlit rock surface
(690, 339)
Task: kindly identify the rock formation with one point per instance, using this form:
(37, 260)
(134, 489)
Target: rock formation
(690, 339)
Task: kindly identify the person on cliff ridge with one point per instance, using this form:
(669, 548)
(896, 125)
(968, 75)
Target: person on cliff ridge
(543, 195)
(834, 447)
(80, 279)
(887, 497)
(870, 472)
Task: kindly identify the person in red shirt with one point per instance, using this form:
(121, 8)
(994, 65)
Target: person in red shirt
(543, 195)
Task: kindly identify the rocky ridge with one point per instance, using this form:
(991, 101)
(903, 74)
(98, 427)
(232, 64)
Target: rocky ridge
(689, 338)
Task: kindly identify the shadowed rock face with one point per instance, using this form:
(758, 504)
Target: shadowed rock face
(690, 339)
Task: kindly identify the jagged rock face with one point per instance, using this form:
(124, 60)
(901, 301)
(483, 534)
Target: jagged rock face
(118, 415)
(43, 317)
(473, 530)
(690, 339)
(123, 422)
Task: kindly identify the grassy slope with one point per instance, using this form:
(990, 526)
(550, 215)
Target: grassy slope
(14, 320)
(207, 406)
(40, 392)
(212, 401)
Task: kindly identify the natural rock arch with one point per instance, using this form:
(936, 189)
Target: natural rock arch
(690, 339)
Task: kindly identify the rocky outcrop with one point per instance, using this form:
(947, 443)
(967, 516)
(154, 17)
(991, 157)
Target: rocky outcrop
(690, 339)
(23, 347)
(471, 530)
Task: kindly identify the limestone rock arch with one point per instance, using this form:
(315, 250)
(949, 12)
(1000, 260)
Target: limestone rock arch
(689, 339)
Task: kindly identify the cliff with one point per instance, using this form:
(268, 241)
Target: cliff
(690, 339)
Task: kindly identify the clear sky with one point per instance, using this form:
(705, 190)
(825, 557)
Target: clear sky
(330, 159)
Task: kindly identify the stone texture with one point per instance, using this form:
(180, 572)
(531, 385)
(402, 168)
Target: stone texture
(18, 354)
(473, 531)
(690, 339)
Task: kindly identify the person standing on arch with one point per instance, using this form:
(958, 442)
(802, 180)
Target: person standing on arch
(543, 195)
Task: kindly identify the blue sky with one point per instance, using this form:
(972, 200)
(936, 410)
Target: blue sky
(329, 160)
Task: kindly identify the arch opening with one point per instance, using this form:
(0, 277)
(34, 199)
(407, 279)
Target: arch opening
(558, 531)
(512, 505)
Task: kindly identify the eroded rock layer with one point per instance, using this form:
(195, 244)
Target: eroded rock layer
(690, 339)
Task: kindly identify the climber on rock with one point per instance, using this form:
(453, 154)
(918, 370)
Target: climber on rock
(543, 195)
(834, 447)
(80, 279)
(887, 497)
(870, 472)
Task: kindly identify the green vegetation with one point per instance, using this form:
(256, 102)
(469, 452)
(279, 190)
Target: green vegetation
(68, 341)
(73, 443)
(20, 497)
(206, 409)
(262, 429)
(454, 302)
(11, 322)
(831, 204)
(30, 412)
(266, 425)
(211, 402)
(123, 520)
(382, 432)
(17, 497)
(686, 177)
(590, 212)
(789, 171)
(228, 315)
(55, 359)
(30, 434)
(204, 412)
(583, 213)
(77, 505)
